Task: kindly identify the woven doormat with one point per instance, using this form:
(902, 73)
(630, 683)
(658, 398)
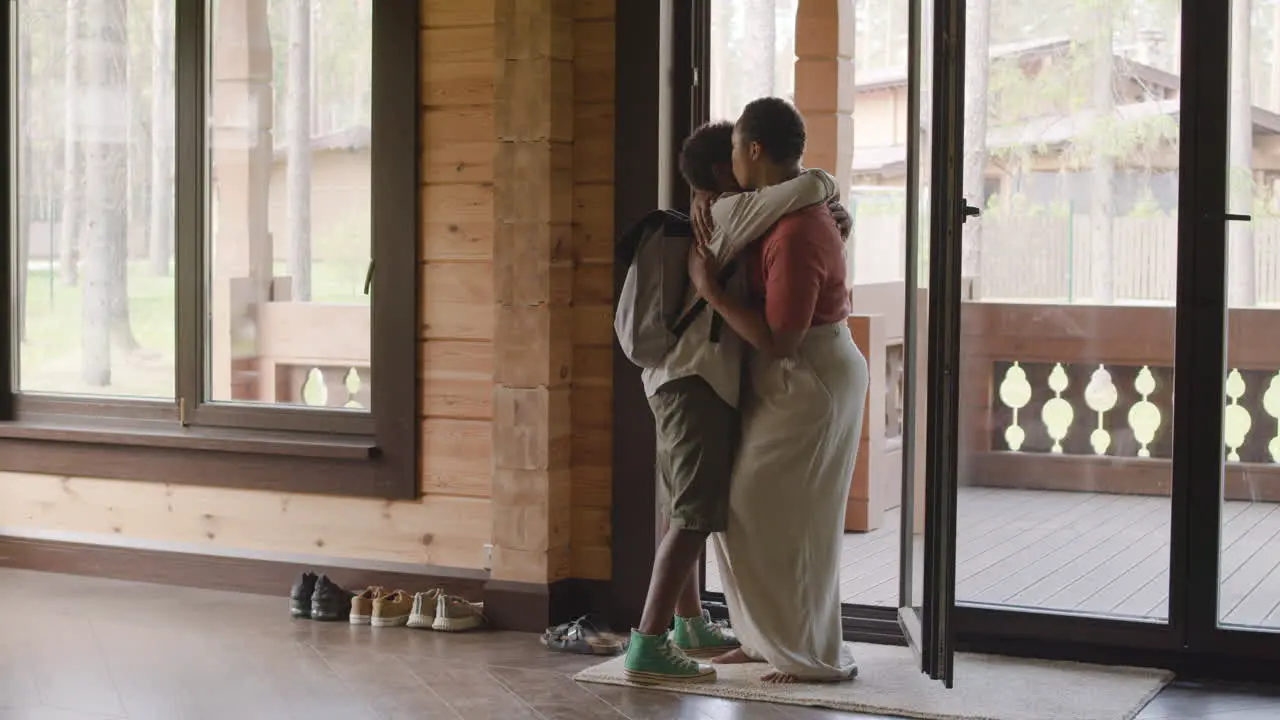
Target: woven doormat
(987, 687)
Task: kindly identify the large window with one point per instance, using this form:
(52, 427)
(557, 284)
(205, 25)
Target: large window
(198, 192)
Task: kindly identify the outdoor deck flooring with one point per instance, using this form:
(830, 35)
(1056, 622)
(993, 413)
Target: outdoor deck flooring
(1083, 553)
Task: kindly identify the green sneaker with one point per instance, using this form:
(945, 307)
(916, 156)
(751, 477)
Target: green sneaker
(653, 659)
(700, 636)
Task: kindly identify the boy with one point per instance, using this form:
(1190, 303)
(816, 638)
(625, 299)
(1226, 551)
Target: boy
(694, 398)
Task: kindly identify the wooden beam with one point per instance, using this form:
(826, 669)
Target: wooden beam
(533, 271)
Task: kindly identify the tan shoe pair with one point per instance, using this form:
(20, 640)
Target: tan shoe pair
(379, 608)
(435, 610)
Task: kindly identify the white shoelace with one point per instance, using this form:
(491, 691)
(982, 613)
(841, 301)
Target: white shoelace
(677, 656)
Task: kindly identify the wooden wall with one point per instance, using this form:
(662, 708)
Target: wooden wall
(592, 447)
(464, 292)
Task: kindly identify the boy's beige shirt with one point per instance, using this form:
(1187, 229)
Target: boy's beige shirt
(739, 219)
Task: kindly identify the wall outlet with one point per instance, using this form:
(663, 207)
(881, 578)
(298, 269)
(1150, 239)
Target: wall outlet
(488, 557)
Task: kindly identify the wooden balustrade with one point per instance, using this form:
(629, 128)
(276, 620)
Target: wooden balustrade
(313, 354)
(877, 326)
(1062, 397)
(1079, 397)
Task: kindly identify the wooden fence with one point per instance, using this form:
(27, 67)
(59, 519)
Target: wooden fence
(1050, 258)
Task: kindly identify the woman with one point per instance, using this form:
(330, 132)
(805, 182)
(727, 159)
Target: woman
(802, 416)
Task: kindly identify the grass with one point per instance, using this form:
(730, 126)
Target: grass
(50, 359)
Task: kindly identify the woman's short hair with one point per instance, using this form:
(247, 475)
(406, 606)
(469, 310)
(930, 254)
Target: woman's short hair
(777, 125)
(711, 144)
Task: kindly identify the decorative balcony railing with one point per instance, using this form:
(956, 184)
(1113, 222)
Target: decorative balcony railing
(1074, 397)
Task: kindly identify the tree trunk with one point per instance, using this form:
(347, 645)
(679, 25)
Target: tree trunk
(1275, 58)
(139, 154)
(299, 160)
(162, 146)
(360, 77)
(1102, 200)
(104, 133)
(121, 328)
(723, 97)
(889, 29)
(25, 188)
(72, 157)
(757, 73)
(1241, 284)
(977, 59)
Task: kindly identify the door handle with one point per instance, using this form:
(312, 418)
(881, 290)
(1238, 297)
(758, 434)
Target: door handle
(1239, 217)
(969, 211)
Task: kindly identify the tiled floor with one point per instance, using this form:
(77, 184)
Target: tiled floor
(85, 649)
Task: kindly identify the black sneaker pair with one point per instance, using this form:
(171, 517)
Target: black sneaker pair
(318, 598)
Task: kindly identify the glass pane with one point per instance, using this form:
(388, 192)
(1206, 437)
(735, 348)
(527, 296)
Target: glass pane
(289, 199)
(916, 403)
(1071, 149)
(753, 53)
(94, 200)
(877, 202)
(752, 56)
(1249, 540)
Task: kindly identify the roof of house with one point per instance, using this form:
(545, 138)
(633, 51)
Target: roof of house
(1054, 130)
(886, 78)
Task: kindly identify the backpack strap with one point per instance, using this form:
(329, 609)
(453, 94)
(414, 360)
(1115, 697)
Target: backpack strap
(717, 326)
(700, 304)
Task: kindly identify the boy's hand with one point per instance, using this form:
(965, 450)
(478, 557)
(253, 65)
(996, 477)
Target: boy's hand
(701, 212)
(703, 271)
(843, 220)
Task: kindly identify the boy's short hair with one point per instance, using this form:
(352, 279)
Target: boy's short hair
(777, 125)
(711, 144)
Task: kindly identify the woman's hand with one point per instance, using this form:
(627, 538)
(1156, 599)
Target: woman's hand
(704, 270)
(843, 221)
(701, 216)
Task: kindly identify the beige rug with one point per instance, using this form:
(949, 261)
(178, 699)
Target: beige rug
(987, 687)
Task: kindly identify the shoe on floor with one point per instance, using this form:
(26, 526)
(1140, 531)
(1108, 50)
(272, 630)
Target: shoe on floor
(456, 614)
(362, 605)
(700, 636)
(653, 659)
(423, 612)
(392, 609)
(329, 601)
(587, 635)
(300, 595)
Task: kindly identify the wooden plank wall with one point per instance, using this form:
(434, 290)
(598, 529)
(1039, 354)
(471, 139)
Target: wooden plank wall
(457, 247)
(532, 270)
(593, 116)
(553, 273)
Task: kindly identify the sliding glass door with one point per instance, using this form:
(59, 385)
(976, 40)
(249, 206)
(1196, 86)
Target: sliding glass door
(1241, 486)
(936, 212)
(1085, 195)
(1068, 331)
(1127, 162)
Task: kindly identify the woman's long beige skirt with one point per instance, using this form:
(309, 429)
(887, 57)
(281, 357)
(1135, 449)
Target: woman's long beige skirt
(780, 556)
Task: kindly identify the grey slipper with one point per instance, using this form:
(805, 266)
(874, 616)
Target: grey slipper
(585, 637)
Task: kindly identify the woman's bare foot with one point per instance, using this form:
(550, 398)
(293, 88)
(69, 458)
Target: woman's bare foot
(734, 657)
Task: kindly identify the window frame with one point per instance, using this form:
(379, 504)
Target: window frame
(188, 440)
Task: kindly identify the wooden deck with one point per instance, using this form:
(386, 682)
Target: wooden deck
(1084, 553)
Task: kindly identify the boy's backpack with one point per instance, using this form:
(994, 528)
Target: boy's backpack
(650, 317)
